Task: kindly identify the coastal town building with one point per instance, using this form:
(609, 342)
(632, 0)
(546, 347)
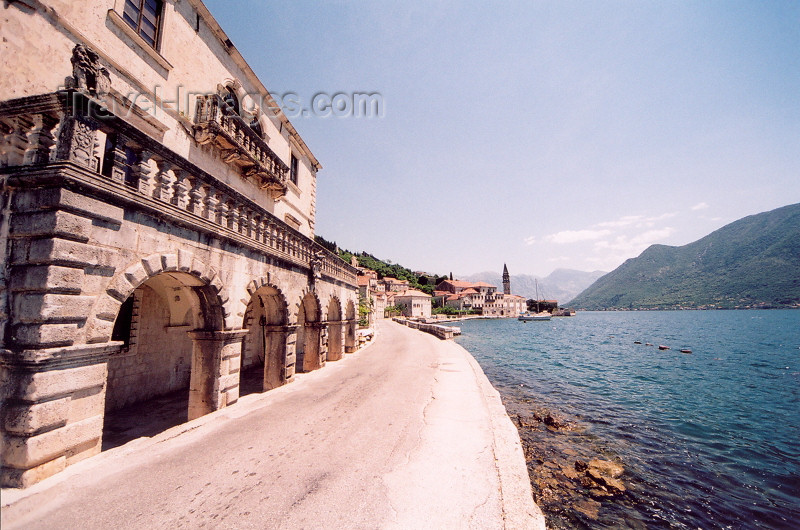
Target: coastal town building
(386, 292)
(393, 285)
(157, 229)
(415, 304)
(504, 305)
(480, 297)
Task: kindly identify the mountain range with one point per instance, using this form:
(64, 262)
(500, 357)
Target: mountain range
(752, 262)
(561, 284)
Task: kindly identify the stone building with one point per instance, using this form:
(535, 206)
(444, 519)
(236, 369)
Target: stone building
(157, 226)
(464, 295)
(480, 297)
(393, 285)
(504, 305)
(415, 304)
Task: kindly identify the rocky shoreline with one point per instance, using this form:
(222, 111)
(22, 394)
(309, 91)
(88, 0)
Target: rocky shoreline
(576, 481)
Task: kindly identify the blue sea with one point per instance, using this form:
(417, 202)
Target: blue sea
(709, 439)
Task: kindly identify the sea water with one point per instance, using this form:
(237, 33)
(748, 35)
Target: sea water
(708, 439)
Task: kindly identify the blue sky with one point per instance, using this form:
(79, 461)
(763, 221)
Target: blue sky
(538, 134)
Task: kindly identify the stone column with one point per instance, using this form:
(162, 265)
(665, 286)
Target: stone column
(350, 343)
(315, 346)
(163, 181)
(335, 340)
(54, 411)
(291, 352)
(214, 382)
(195, 196)
(277, 357)
(41, 139)
(142, 173)
(179, 188)
(210, 205)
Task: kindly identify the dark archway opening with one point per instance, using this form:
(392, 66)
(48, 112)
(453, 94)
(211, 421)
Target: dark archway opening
(147, 387)
(264, 347)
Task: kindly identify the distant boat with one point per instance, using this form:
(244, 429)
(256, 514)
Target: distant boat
(526, 317)
(539, 315)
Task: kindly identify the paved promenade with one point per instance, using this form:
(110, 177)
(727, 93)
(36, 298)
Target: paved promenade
(407, 433)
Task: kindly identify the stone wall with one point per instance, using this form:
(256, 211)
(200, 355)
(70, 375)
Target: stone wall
(194, 56)
(75, 258)
(116, 191)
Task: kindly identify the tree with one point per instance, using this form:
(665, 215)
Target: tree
(364, 309)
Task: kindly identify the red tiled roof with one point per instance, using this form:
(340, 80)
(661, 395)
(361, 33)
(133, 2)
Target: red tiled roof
(411, 292)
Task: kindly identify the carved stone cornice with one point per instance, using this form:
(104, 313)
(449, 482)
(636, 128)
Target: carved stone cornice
(163, 193)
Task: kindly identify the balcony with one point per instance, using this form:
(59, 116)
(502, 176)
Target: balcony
(70, 139)
(217, 124)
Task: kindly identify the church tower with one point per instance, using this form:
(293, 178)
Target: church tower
(506, 280)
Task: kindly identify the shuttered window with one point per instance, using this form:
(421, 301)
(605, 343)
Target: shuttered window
(293, 169)
(142, 16)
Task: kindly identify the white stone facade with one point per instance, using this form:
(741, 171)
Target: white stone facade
(148, 246)
(415, 304)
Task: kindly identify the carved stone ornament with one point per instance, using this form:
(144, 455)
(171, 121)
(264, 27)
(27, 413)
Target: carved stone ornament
(203, 134)
(87, 72)
(316, 266)
(76, 141)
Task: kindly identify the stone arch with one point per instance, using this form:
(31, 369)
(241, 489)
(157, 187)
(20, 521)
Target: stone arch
(207, 284)
(309, 333)
(350, 327)
(334, 320)
(247, 108)
(264, 352)
(173, 342)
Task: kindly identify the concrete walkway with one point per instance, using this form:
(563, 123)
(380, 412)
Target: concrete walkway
(407, 433)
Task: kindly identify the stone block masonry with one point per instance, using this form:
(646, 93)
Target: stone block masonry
(147, 249)
(96, 323)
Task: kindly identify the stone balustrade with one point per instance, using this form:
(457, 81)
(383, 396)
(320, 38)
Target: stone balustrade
(118, 158)
(217, 123)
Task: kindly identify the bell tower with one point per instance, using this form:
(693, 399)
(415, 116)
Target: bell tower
(506, 280)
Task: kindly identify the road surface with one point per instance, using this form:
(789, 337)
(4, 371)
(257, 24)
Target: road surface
(406, 433)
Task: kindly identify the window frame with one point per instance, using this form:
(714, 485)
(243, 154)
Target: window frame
(294, 170)
(159, 16)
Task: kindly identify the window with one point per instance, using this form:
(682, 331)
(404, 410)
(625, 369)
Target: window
(293, 170)
(142, 16)
(231, 101)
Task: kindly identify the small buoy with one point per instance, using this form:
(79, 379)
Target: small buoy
(662, 347)
(637, 342)
(686, 350)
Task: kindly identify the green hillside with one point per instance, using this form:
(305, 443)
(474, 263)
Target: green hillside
(753, 262)
(421, 282)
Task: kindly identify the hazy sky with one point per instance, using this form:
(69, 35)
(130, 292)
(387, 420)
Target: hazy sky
(538, 134)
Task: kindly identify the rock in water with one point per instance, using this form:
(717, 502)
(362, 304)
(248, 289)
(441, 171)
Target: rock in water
(606, 467)
(604, 473)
